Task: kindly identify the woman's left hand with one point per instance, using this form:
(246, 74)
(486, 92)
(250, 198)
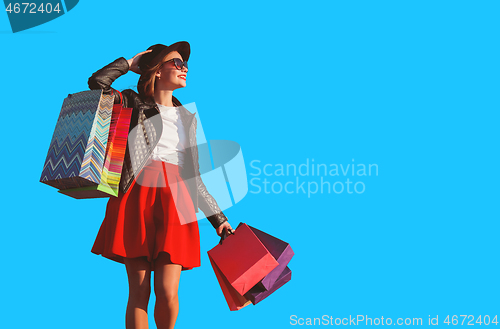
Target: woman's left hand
(223, 226)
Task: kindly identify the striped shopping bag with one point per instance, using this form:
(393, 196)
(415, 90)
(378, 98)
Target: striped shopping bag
(113, 163)
(76, 154)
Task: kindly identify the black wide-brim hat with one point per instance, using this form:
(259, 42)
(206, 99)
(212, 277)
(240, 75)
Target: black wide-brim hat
(149, 60)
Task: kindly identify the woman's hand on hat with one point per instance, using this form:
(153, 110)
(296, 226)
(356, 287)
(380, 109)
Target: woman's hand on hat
(223, 226)
(133, 63)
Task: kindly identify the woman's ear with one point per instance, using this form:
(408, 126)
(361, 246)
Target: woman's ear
(157, 74)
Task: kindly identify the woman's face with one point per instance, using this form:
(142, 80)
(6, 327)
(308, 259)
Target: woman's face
(168, 76)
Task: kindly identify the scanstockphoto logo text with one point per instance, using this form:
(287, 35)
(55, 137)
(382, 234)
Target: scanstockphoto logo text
(310, 178)
(24, 15)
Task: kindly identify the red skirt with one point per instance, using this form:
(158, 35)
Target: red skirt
(155, 215)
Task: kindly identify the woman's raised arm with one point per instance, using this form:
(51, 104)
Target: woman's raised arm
(103, 78)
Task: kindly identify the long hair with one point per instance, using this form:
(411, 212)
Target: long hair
(147, 81)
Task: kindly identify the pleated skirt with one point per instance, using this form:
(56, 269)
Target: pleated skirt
(155, 215)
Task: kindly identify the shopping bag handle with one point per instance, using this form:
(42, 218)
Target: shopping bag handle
(121, 97)
(225, 235)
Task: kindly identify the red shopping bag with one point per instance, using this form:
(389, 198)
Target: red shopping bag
(242, 259)
(234, 300)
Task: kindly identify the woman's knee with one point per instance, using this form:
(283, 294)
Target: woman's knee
(140, 292)
(167, 277)
(165, 293)
(139, 279)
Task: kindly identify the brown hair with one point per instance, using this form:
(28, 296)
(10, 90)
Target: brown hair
(146, 84)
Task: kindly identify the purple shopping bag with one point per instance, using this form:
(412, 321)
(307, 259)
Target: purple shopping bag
(280, 250)
(257, 294)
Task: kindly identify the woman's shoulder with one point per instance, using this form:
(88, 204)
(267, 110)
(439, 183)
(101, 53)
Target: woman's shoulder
(132, 99)
(129, 93)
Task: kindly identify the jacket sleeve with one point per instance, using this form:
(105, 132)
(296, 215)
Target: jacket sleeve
(206, 201)
(208, 205)
(103, 78)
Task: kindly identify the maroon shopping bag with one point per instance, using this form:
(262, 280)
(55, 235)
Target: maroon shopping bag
(242, 259)
(258, 294)
(280, 250)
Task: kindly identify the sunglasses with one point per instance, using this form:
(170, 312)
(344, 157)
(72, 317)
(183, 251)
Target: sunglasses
(178, 63)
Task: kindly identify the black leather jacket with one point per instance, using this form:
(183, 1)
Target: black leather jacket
(145, 131)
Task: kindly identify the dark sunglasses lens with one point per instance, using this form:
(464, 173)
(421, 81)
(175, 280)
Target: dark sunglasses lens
(179, 64)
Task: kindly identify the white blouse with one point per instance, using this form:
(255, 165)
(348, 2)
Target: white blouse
(173, 141)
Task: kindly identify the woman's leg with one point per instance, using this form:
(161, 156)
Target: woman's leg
(166, 281)
(139, 282)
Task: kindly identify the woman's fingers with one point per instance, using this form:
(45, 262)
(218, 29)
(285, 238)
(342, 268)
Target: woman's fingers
(134, 61)
(229, 229)
(143, 52)
(226, 226)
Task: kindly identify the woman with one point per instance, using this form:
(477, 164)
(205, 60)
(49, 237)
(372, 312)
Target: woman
(151, 225)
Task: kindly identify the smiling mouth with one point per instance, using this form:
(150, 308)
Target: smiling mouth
(183, 77)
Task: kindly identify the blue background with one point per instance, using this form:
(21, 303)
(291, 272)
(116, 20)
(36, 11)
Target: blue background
(410, 86)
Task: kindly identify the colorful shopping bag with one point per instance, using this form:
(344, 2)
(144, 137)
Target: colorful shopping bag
(258, 294)
(115, 154)
(242, 259)
(234, 300)
(280, 250)
(76, 153)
